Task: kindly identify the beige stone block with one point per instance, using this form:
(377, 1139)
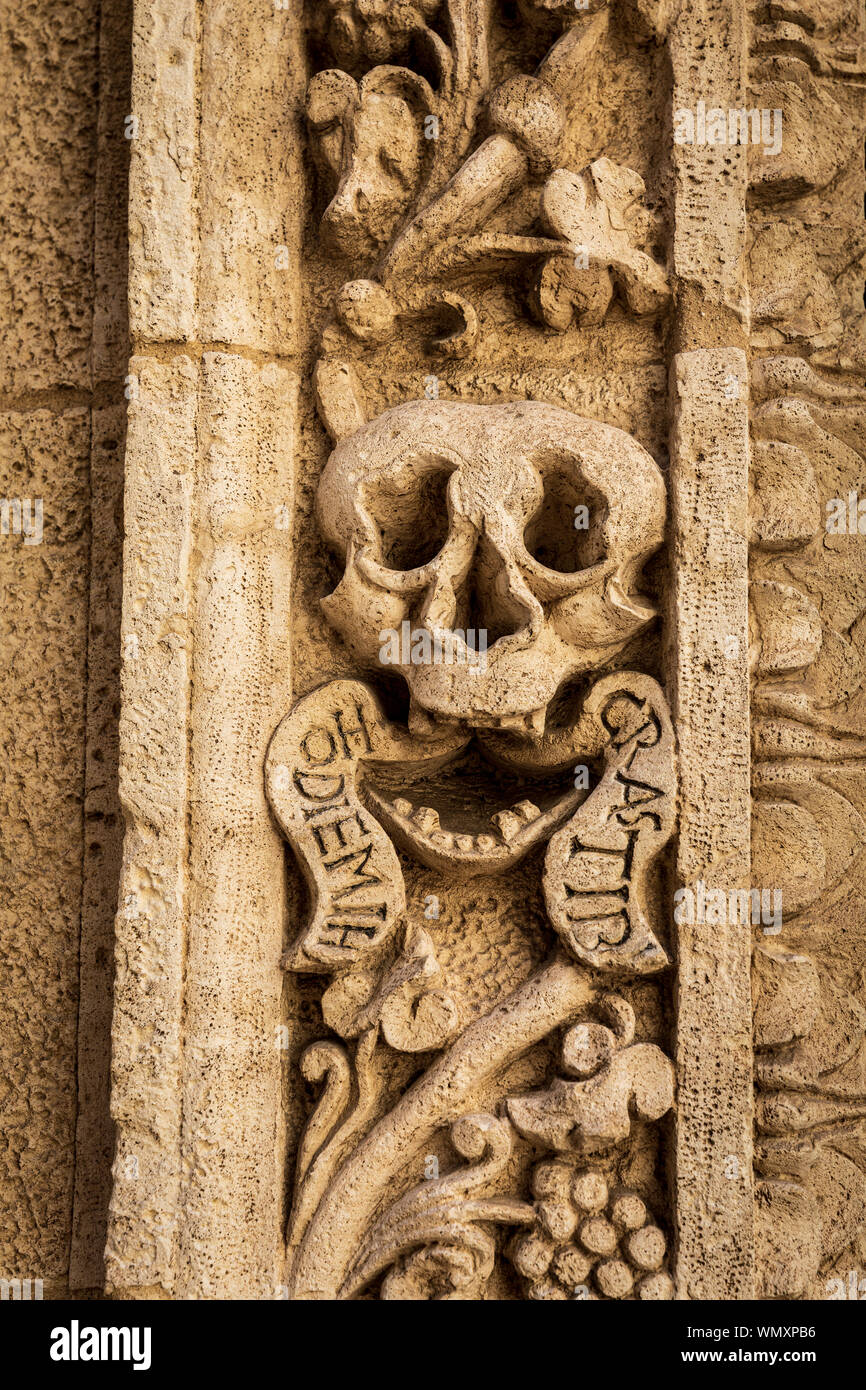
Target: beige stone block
(232, 1140)
(110, 346)
(151, 931)
(48, 139)
(251, 139)
(103, 845)
(205, 633)
(163, 228)
(709, 53)
(44, 461)
(708, 629)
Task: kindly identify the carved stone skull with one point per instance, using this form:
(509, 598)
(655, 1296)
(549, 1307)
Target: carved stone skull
(521, 522)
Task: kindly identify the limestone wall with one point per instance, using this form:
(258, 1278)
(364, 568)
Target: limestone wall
(65, 78)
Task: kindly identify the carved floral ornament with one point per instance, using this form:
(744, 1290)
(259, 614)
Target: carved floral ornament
(409, 198)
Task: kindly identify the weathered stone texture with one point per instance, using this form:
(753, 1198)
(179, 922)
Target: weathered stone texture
(48, 136)
(480, 696)
(62, 289)
(43, 691)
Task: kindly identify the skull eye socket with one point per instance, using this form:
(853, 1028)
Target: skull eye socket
(410, 513)
(566, 532)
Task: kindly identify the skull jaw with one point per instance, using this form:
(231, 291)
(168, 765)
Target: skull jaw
(467, 855)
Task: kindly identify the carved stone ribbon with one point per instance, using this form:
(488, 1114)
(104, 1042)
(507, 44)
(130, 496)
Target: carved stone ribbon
(348, 861)
(596, 865)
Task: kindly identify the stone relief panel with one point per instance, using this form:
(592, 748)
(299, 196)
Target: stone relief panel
(510, 718)
(480, 796)
(807, 259)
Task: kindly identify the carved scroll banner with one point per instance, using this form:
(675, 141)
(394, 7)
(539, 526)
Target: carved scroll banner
(494, 669)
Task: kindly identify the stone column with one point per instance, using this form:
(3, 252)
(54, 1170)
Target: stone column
(198, 1186)
(709, 659)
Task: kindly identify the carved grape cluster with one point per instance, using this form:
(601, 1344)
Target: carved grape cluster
(589, 1240)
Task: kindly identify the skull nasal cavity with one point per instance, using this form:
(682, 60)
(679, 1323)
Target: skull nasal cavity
(484, 602)
(565, 533)
(411, 513)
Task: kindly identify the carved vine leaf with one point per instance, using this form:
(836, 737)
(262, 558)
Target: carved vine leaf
(437, 1236)
(616, 1081)
(408, 1002)
(591, 1237)
(592, 213)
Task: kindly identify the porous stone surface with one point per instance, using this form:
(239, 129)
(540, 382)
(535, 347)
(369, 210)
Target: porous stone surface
(45, 456)
(489, 632)
(62, 363)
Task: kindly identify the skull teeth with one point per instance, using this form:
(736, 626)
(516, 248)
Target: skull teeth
(532, 723)
(509, 824)
(427, 726)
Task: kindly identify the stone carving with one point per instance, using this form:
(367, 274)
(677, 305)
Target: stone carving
(810, 1037)
(585, 1223)
(429, 216)
(435, 1239)
(595, 870)
(592, 212)
(349, 862)
(615, 1081)
(332, 773)
(495, 485)
(493, 559)
(808, 605)
(591, 1239)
